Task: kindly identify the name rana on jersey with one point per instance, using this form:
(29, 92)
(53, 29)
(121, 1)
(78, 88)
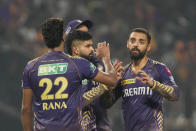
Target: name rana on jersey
(53, 105)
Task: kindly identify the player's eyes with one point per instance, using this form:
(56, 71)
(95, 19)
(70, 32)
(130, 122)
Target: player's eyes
(132, 40)
(142, 41)
(88, 46)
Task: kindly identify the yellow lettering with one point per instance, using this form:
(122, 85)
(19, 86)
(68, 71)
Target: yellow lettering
(57, 105)
(54, 105)
(63, 105)
(51, 106)
(45, 106)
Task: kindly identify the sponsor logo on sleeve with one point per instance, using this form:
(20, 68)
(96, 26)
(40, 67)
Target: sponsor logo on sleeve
(84, 82)
(92, 67)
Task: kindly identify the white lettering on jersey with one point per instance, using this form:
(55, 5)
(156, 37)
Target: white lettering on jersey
(137, 91)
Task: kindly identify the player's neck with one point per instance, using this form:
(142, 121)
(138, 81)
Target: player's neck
(139, 64)
(74, 54)
(59, 48)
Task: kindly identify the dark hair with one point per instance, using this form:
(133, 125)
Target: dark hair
(142, 30)
(76, 35)
(52, 31)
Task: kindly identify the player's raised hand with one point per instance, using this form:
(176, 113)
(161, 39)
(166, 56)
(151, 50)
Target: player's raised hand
(145, 78)
(118, 68)
(103, 50)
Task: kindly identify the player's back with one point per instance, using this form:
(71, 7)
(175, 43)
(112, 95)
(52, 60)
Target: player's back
(56, 84)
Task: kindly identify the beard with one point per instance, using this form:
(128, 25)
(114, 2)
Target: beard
(137, 56)
(88, 57)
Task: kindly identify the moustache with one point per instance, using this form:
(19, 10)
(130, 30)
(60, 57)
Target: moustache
(92, 53)
(135, 49)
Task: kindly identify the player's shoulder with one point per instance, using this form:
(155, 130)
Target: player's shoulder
(160, 66)
(79, 60)
(157, 63)
(76, 58)
(31, 63)
(33, 60)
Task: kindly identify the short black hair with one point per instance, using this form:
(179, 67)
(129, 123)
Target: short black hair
(142, 30)
(52, 31)
(76, 35)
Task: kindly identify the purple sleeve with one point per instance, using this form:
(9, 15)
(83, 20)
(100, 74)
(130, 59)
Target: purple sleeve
(87, 69)
(25, 79)
(166, 76)
(166, 84)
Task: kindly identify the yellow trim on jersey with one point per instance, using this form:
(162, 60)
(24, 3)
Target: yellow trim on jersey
(105, 87)
(154, 85)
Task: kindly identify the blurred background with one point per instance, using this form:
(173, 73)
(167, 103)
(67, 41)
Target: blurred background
(172, 24)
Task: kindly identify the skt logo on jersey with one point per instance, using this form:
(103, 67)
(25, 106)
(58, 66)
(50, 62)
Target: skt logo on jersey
(50, 69)
(137, 91)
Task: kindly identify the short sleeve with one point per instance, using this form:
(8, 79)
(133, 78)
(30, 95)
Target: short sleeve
(87, 69)
(25, 78)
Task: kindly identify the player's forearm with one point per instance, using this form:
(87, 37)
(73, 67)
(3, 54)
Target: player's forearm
(168, 92)
(91, 95)
(108, 65)
(110, 70)
(27, 119)
(107, 99)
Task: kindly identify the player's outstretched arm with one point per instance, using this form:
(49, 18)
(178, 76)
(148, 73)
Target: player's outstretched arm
(91, 95)
(101, 77)
(103, 53)
(109, 98)
(111, 77)
(26, 111)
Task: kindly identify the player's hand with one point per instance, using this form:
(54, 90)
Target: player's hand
(145, 78)
(103, 50)
(118, 69)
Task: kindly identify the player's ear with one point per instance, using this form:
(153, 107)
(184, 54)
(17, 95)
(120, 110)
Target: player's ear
(148, 47)
(75, 50)
(127, 44)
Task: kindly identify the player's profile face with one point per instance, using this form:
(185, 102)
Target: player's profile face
(137, 45)
(85, 49)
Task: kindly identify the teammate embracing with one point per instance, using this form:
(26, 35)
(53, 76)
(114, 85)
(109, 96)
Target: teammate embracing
(52, 84)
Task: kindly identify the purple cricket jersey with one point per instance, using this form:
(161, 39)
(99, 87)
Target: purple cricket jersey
(56, 81)
(141, 106)
(94, 115)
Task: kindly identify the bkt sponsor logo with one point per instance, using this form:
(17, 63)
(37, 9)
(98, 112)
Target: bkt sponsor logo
(50, 69)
